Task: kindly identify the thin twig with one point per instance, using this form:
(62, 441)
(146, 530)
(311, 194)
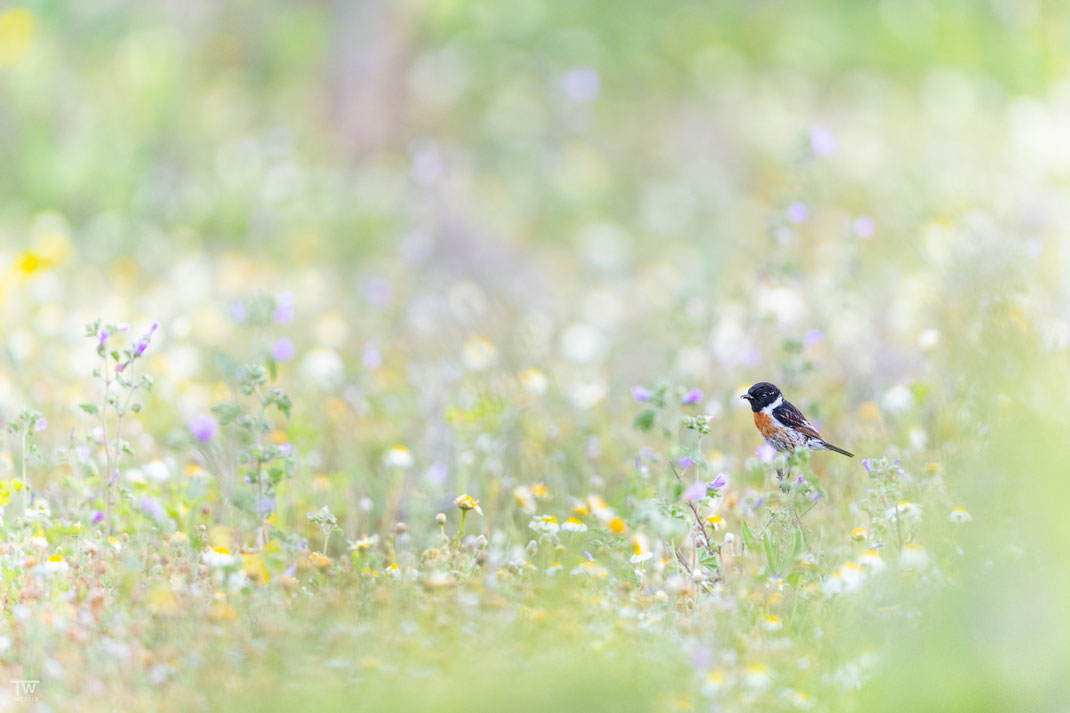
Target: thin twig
(698, 520)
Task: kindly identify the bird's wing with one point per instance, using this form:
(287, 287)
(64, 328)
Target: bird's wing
(792, 417)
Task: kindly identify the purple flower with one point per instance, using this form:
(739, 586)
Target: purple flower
(693, 396)
(373, 358)
(143, 343)
(798, 212)
(800, 480)
(283, 350)
(40, 425)
(867, 465)
(640, 393)
(686, 462)
(284, 308)
(719, 482)
(104, 334)
(582, 84)
(863, 226)
(285, 448)
(815, 496)
(203, 427)
(98, 516)
(379, 292)
(588, 555)
(696, 491)
(437, 474)
(152, 508)
(123, 327)
(822, 140)
(765, 453)
(812, 338)
(266, 505)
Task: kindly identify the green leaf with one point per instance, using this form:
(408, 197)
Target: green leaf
(796, 546)
(709, 560)
(644, 421)
(90, 409)
(772, 553)
(226, 413)
(748, 537)
(816, 484)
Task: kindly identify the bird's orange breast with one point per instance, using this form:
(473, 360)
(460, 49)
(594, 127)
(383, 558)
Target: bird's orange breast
(764, 422)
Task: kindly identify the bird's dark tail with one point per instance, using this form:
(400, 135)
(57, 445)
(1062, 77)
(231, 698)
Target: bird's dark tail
(831, 447)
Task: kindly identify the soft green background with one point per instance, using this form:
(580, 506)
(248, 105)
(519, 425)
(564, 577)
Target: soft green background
(159, 160)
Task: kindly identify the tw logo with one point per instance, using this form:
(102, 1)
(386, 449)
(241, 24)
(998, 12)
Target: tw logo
(26, 691)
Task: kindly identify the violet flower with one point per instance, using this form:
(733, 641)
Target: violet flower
(283, 350)
(640, 393)
(798, 212)
(693, 396)
(203, 427)
(696, 491)
(765, 453)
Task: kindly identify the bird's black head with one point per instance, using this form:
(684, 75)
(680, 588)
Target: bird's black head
(761, 395)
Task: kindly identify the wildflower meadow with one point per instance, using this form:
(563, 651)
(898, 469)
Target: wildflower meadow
(388, 356)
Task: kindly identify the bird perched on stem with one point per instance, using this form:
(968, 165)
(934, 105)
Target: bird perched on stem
(781, 424)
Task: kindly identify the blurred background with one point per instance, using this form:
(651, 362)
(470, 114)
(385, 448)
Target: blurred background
(469, 228)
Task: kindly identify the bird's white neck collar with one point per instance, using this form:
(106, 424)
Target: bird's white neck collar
(774, 405)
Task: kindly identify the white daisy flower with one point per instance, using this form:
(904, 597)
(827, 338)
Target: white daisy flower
(218, 557)
(959, 515)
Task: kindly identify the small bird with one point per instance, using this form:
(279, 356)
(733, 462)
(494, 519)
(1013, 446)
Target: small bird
(781, 424)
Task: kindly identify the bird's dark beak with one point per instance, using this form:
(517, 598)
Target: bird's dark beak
(748, 397)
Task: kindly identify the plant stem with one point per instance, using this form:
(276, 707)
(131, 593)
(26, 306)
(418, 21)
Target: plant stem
(714, 551)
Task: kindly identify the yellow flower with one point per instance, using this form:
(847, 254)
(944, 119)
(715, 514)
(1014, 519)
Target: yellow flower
(540, 491)
(255, 568)
(321, 483)
(534, 382)
(161, 600)
(598, 506)
(642, 554)
(30, 262)
(869, 411)
(17, 27)
(399, 457)
(717, 522)
(524, 498)
(574, 524)
(858, 534)
(617, 526)
(466, 502)
(959, 515)
(772, 623)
